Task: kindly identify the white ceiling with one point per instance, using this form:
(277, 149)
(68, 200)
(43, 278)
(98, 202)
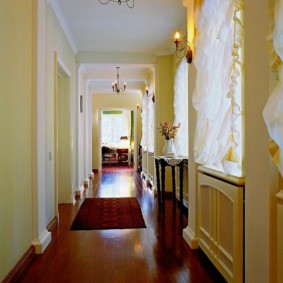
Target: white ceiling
(112, 35)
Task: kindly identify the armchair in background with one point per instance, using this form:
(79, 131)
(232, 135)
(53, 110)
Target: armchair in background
(109, 155)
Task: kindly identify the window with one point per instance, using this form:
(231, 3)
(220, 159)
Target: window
(114, 125)
(217, 97)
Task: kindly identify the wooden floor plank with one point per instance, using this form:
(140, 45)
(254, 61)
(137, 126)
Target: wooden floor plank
(156, 254)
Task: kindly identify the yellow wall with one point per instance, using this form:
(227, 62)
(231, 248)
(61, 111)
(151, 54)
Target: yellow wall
(64, 146)
(110, 101)
(56, 41)
(166, 66)
(165, 96)
(261, 187)
(15, 141)
(18, 20)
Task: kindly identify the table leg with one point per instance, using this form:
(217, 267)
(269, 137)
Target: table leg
(173, 184)
(163, 184)
(158, 181)
(181, 166)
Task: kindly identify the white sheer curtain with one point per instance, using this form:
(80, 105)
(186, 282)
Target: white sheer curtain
(113, 126)
(181, 108)
(273, 111)
(127, 122)
(144, 115)
(147, 141)
(217, 95)
(150, 120)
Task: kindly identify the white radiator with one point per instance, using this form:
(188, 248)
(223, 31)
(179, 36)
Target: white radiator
(144, 161)
(150, 166)
(221, 224)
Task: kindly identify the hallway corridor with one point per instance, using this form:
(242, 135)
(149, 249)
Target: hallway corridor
(157, 253)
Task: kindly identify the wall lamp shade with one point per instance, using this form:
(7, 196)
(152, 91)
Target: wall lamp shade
(183, 48)
(130, 3)
(124, 141)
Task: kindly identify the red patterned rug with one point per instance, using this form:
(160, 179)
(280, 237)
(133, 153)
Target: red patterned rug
(107, 168)
(108, 213)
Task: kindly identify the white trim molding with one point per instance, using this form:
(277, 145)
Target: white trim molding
(41, 243)
(58, 12)
(190, 238)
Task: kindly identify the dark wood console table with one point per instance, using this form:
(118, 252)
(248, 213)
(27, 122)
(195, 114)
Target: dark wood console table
(123, 156)
(162, 161)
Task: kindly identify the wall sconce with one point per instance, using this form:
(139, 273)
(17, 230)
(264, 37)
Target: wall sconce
(183, 48)
(139, 108)
(149, 95)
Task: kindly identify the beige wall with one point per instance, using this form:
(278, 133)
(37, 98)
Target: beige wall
(15, 142)
(18, 88)
(56, 42)
(82, 129)
(64, 146)
(165, 96)
(260, 249)
(110, 101)
(164, 104)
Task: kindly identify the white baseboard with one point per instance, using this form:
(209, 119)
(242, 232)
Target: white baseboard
(41, 243)
(190, 238)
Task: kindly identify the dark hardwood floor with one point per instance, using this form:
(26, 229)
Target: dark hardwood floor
(157, 253)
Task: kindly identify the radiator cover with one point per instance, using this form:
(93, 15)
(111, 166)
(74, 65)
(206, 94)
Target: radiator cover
(221, 225)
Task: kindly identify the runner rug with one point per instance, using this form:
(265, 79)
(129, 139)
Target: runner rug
(109, 213)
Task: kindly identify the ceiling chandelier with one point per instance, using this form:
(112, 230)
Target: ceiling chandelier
(116, 84)
(130, 3)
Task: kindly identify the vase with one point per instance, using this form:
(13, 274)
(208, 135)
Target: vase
(169, 148)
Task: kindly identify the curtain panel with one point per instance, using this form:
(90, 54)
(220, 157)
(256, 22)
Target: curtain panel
(144, 115)
(217, 94)
(115, 124)
(181, 108)
(147, 141)
(273, 111)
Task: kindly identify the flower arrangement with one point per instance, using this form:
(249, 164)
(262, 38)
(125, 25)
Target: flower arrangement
(168, 130)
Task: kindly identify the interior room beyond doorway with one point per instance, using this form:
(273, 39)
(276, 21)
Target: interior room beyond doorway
(117, 137)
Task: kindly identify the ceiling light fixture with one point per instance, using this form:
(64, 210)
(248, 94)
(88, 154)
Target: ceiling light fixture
(116, 84)
(183, 49)
(130, 3)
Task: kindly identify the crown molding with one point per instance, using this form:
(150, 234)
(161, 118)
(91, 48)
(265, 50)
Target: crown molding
(115, 58)
(57, 11)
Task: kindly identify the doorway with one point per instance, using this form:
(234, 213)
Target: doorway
(62, 146)
(117, 138)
